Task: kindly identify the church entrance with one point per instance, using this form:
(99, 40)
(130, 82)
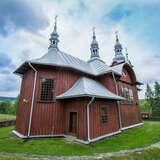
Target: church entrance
(73, 123)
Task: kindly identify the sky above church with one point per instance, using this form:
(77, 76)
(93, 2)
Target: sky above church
(25, 27)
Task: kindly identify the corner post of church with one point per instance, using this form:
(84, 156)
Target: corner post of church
(33, 97)
(118, 104)
(88, 119)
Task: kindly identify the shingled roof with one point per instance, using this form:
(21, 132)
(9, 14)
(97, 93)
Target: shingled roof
(55, 57)
(86, 87)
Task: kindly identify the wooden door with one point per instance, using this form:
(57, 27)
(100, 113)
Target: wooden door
(73, 122)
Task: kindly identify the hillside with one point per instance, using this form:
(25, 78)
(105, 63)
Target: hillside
(7, 98)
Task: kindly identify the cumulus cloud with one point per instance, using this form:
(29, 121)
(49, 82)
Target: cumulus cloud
(136, 21)
(17, 14)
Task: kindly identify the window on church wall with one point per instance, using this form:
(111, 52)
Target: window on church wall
(103, 114)
(47, 90)
(131, 94)
(128, 94)
(120, 89)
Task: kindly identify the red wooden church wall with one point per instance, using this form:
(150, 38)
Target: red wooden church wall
(130, 113)
(47, 117)
(22, 120)
(79, 106)
(51, 118)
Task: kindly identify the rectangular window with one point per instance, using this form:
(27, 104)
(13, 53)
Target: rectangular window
(47, 90)
(128, 94)
(131, 94)
(103, 114)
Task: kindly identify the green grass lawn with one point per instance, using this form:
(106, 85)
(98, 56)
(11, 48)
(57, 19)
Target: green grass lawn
(150, 154)
(133, 138)
(4, 117)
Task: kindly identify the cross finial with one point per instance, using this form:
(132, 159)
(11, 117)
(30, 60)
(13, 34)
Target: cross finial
(93, 29)
(55, 23)
(126, 50)
(55, 18)
(116, 33)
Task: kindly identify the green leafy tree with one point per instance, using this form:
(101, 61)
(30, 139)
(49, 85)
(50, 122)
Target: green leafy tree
(149, 96)
(15, 106)
(156, 101)
(5, 107)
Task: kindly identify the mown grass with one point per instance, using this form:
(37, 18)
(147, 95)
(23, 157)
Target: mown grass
(133, 138)
(4, 117)
(149, 154)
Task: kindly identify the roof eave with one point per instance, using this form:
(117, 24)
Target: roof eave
(17, 71)
(89, 95)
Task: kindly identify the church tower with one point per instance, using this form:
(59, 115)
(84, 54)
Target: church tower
(54, 36)
(119, 57)
(94, 46)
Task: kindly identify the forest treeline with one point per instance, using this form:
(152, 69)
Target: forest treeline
(151, 103)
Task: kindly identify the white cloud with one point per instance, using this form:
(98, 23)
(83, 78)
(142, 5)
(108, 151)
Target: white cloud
(75, 37)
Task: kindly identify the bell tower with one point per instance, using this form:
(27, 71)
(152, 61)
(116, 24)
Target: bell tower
(119, 57)
(54, 36)
(94, 46)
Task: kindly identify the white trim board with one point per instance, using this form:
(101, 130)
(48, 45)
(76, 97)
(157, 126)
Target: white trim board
(62, 135)
(37, 136)
(18, 134)
(106, 135)
(78, 140)
(98, 138)
(131, 126)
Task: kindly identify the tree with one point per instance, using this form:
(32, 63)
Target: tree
(156, 102)
(5, 107)
(15, 106)
(149, 96)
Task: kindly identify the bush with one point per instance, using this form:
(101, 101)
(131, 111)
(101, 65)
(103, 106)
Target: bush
(5, 107)
(9, 107)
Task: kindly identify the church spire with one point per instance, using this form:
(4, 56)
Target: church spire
(54, 36)
(119, 57)
(127, 58)
(94, 46)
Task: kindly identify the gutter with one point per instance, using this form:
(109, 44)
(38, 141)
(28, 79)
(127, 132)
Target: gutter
(119, 111)
(88, 119)
(32, 102)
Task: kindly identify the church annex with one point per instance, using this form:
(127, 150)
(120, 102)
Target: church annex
(63, 95)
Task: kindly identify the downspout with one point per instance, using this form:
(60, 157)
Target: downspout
(32, 102)
(88, 119)
(118, 104)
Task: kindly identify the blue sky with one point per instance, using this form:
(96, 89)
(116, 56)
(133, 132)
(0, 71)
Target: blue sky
(25, 27)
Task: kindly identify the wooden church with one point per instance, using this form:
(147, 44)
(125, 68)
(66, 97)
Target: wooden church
(62, 95)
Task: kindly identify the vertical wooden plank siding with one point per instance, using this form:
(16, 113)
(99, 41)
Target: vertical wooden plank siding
(53, 117)
(79, 106)
(130, 112)
(97, 128)
(22, 119)
(48, 117)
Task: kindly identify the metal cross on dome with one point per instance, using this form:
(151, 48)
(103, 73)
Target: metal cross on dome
(93, 29)
(116, 33)
(56, 18)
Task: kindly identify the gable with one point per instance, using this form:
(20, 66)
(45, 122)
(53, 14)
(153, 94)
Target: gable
(128, 74)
